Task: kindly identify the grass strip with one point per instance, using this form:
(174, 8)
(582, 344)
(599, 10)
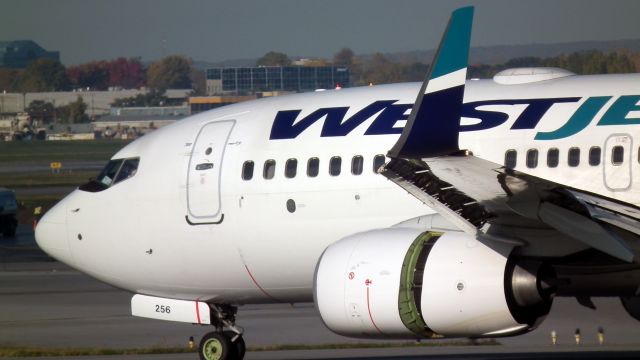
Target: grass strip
(17, 181)
(42, 352)
(50, 151)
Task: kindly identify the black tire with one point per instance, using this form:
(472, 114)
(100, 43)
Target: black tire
(239, 345)
(216, 346)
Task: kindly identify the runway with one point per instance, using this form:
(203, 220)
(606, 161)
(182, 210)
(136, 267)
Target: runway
(46, 304)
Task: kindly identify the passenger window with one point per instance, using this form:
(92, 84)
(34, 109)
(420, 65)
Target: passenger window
(594, 155)
(269, 169)
(617, 155)
(313, 167)
(356, 165)
(510, 159)
(574, 157)
(378, 161)
(553, 157)
(335, 166)
(128, 169)
(291, 168)
(532, 158)
(247, 170)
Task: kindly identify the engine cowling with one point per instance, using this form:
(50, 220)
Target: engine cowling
(407, 283)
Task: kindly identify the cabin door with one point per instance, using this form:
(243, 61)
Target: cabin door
(617, 162)
(205, 170)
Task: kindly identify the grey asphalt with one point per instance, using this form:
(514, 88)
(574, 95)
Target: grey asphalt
(45, 304)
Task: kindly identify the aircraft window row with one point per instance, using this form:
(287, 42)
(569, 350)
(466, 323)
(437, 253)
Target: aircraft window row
(573, 157)
(313, 167)
(114, 172)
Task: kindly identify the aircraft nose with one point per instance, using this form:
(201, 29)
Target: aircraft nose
(51, 233)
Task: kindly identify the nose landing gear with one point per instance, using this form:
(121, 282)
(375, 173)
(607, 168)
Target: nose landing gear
(220, 344)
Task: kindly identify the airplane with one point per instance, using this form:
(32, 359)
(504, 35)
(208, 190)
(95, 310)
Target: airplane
(451, 208)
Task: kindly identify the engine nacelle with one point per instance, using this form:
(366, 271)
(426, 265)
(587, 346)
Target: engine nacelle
(407, 283)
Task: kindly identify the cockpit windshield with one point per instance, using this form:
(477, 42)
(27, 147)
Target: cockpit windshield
(114, 172)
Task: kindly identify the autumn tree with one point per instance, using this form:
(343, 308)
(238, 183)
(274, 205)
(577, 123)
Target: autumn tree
(126, 73)
(273, 58)
(44, 75)
(93, 75)
(171, 72)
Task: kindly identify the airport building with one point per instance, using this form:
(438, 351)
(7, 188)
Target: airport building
(251, 80)
(18, 54)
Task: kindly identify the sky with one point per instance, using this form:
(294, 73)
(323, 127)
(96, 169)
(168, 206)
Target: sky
(212, 30)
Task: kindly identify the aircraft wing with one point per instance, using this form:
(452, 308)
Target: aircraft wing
(484, 198)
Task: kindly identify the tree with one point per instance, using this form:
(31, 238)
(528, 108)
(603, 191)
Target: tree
(44, 75)
(126, 73)
(172, 72)
(273, 58)
(94, 75)
(152, 98)
(199, 82)
(73, 113)
(344, 57)
(41, 111)
(9, 79)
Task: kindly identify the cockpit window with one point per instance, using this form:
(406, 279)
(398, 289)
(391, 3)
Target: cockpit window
(109, 172)
(127, 170)
(114, 172)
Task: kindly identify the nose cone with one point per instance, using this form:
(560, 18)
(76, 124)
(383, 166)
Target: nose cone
(51, 233)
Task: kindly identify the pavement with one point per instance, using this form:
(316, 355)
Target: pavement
(46, 304)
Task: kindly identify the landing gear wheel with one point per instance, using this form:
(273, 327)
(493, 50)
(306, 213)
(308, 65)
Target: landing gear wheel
(238, 344)
(216, 346)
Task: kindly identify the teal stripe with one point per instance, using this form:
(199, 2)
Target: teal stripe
(454, 51)
(580, 119)
(618, 112)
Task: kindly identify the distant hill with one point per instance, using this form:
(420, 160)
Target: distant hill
(489, 55)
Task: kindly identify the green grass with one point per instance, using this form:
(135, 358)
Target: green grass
(10, 351)
(50, 151)
(45, 179)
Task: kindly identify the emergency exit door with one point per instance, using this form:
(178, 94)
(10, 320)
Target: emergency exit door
(205, 170)
(617, 162)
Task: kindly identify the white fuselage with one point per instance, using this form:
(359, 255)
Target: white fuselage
(134, 234)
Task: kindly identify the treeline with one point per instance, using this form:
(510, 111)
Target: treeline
(44, 75)
(178, 72)
(583, 63)
(379, 69)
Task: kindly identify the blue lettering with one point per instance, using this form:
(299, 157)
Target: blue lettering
(528, 119)
(334, 126)
(285, 125)
(385, 122)
(284, 128)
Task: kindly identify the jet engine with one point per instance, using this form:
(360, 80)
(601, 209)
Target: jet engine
(407, 283)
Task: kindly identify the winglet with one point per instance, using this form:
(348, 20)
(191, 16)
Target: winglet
(434, 123)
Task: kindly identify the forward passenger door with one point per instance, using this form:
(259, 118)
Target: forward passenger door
(204, 173)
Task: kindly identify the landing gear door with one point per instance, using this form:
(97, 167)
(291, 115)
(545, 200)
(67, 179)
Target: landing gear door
(617, 162)
(204, 174)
